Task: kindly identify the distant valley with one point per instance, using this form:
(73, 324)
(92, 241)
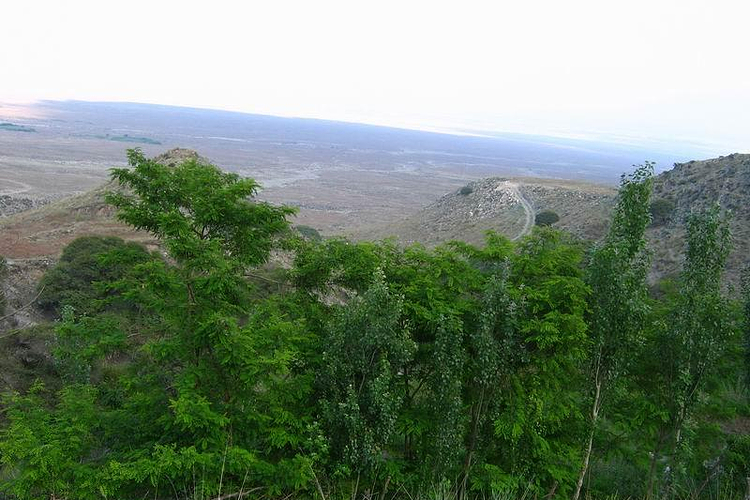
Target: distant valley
(359, 181)
(342, 176)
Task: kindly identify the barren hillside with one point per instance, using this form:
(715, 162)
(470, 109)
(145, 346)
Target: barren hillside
(44, 231)
(505, 205)
(698, 185)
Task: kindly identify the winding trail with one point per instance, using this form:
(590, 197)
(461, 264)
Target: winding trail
(22, 189)
(527, 208)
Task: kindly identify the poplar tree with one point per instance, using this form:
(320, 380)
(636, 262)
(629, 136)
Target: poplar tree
(617, 276)
(697, 331)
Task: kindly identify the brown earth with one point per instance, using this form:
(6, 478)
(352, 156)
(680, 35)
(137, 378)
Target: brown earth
(505, 205)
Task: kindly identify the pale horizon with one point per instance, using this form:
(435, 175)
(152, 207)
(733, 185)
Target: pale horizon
(667, 73)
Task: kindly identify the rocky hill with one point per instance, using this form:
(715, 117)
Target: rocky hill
(44, 231)
(506, 205)
(697, 185)
(31, 240)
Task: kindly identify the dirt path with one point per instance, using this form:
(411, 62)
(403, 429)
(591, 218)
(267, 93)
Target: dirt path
(527, 208)
(23, 187)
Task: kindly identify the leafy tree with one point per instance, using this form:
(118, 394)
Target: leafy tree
(617, 275)
(697, 331)
(439, 290)
(540, 339)
(214, 389)
(214, 363)
(366, 350)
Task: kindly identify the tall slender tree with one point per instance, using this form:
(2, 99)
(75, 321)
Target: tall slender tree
(697, 331)
(617, 275)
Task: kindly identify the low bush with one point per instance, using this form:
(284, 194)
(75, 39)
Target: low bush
(308, 232)
(546, 218)
(83, 263)
(661, 211)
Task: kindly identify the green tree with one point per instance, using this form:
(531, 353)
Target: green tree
(215, 385)
(617, 275)
(696, 333)
(216, 354)
(538, 333)
(367, 348)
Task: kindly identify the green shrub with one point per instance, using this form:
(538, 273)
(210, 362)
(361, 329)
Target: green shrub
(308, 232)
(617, 478)
(661, 211)
(84, 262)
(738, 460)
(546, 218)
(466, 190)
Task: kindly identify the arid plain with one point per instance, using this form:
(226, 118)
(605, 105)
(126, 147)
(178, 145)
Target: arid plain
(343, 177)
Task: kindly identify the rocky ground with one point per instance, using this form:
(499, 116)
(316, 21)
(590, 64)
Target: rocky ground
(698, 185)
(505, 205)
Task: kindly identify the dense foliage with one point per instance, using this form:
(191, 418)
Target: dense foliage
(532, 367)
(83, 264)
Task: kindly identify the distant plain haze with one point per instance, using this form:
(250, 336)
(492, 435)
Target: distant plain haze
(672, 75)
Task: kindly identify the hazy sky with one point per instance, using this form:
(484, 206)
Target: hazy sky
(674, 71)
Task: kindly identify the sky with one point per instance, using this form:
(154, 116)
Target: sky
(669, 72)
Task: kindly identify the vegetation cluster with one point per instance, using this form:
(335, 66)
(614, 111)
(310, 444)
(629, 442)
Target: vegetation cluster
(542, 368)
(546, 218)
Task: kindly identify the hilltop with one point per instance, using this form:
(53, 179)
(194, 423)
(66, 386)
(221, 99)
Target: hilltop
(508, 204)
(45, 230)
(33, 239)
(697, 185)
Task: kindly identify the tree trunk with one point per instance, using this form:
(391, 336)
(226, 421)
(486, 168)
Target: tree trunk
(590, 444)
(652, 467)
(476, 417)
